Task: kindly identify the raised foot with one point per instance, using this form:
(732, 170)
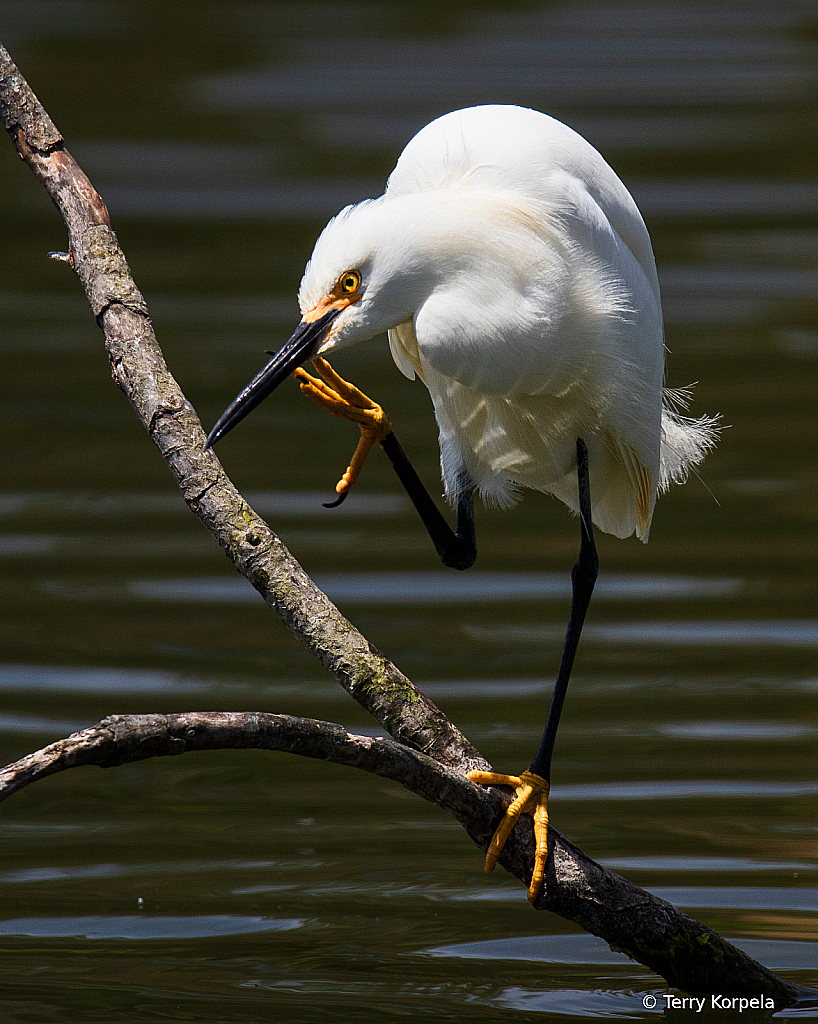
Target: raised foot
(345, 400)
(532, 798)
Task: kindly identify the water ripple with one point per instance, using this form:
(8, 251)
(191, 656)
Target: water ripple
(742, 898)
(588, 949)
(676, 790)
(87, 679)
(725, 633)
(85, 504)
(432, 588)
(688, 864)
(139, 927)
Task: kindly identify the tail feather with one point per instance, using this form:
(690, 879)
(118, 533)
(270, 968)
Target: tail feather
(685, 441)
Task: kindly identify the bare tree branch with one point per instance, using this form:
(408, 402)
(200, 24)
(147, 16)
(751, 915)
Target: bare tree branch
(685, 952)
(140, 371)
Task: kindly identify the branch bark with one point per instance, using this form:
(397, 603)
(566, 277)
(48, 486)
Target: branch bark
(141, 372)
(427, 754)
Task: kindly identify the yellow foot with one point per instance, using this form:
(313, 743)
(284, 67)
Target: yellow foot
(532, 798)
(345, 400)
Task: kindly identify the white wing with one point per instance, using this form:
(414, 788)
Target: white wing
(525, 353)
(507, 147)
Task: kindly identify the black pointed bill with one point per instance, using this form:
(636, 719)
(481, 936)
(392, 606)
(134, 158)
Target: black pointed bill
(303, 345)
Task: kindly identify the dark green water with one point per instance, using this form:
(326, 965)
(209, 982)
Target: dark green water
(246, 887)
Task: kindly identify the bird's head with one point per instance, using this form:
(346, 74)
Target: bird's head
(462, 263)
(361, 280)
(366, 268)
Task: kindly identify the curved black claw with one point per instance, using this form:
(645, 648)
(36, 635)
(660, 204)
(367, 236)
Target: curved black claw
(339, 501)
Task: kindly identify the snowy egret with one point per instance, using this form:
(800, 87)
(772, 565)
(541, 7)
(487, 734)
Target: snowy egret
(515, 276)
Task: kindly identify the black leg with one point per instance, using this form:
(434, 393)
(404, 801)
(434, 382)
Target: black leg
(583, 578)
(456, 548)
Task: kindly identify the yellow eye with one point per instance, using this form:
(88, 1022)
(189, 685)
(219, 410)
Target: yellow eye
(349, 281)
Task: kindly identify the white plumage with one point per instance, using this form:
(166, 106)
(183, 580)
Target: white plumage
(515, 276)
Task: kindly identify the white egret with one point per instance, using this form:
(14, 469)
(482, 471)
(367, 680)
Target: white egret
(515, 276)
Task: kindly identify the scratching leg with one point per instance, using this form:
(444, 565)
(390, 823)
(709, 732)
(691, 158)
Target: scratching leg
(456, 548)
(345, 400)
